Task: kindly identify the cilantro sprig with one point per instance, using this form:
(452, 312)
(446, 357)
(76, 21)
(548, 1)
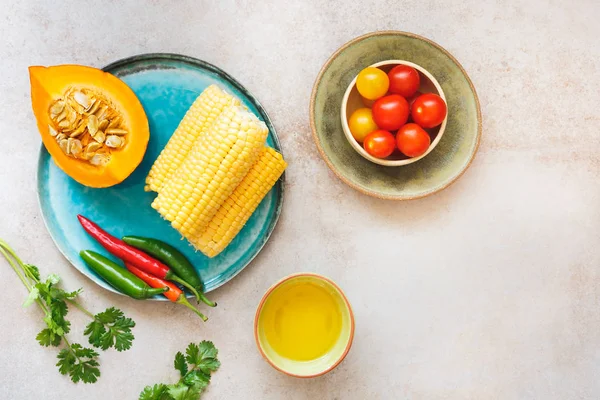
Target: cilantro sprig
(108, 329)
(195, 368)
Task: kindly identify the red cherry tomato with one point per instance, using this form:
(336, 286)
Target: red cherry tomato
(390, 112)
(380, 143)
(404, 80)
(428, 110)
(412, 140)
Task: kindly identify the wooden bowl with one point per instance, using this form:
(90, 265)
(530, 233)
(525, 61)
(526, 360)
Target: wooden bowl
(352, 101)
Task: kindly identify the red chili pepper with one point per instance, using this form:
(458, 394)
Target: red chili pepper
(174, 293)
(130, 254)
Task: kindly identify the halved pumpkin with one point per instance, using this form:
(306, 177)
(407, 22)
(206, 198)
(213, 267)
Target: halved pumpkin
(91, 123)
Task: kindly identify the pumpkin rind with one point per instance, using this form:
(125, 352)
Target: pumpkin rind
(50, 83)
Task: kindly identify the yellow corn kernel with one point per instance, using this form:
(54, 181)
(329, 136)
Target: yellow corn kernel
(202, 113)
(237, 209)
(217, 163)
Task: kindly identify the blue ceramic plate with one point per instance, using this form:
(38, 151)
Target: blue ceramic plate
(166, 84)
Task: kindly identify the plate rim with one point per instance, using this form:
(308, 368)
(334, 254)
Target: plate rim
(277, 144)
(324, 155)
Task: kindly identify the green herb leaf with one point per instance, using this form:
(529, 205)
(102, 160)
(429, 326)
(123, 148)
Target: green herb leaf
(197, 378)
(32, 271)
(192, 353)
(79, 363)
(180, 364)
(66, 360)
(33, 295)
(109, 329)
(85, 368)
(48, 338)
(204, 356)
(156, 392)
(183, 392)
(208, 350)
(208, 365)
(95, 330)
(121, 330)
(53, 279)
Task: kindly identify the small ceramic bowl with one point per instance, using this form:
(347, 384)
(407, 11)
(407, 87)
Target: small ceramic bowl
(328, 361)
(353, 101)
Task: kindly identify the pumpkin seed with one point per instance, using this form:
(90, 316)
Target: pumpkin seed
(61, 116)
(93, 146)
(92, 124)
(101, 112)
(78, 131)
(64, 124)
(99, 137)
(57, 108)
(115, 122)
(116, 131)
(94, 107)
(52, 131)
(74, 146)
(99, 159)
(113, 141)
(82, 99)
(72, 117)
(103, 124)
(75, 106)
(63, 144)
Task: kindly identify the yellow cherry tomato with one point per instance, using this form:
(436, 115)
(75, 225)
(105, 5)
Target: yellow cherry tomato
(372, 83)
(361, 123)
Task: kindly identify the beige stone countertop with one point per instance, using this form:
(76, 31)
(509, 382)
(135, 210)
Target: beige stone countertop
(489, 289)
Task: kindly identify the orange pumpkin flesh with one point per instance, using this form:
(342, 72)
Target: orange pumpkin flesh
(50, 83)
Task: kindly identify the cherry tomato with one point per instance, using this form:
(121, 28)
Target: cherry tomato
(380, 143)
(372, 83)
(412, 140)
(404, 80)
(390, 112)
(428, 110)
(361, 123)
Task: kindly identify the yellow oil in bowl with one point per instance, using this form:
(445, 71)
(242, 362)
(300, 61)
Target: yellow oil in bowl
(304, 325)
(302, 321)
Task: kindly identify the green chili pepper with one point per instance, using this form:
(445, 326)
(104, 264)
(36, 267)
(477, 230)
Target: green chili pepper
(118, 277)
(173, 258)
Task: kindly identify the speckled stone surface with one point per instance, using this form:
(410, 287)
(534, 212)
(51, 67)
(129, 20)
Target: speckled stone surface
(489, 289)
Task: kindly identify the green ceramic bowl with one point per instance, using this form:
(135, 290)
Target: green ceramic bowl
(450, 158)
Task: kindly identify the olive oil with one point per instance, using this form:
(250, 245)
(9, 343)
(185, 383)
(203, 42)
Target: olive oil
(302, 320)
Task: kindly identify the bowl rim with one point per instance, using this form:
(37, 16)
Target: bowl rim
(266, 296)
(324, 156)
(383, 161)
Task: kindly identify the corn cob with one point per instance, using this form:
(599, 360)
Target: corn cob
(217, 163)
(197, 119)
(238, 208)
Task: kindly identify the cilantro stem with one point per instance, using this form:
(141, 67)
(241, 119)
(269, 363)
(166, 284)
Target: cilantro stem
(5, 250)
(81, 308)
(71, 349)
